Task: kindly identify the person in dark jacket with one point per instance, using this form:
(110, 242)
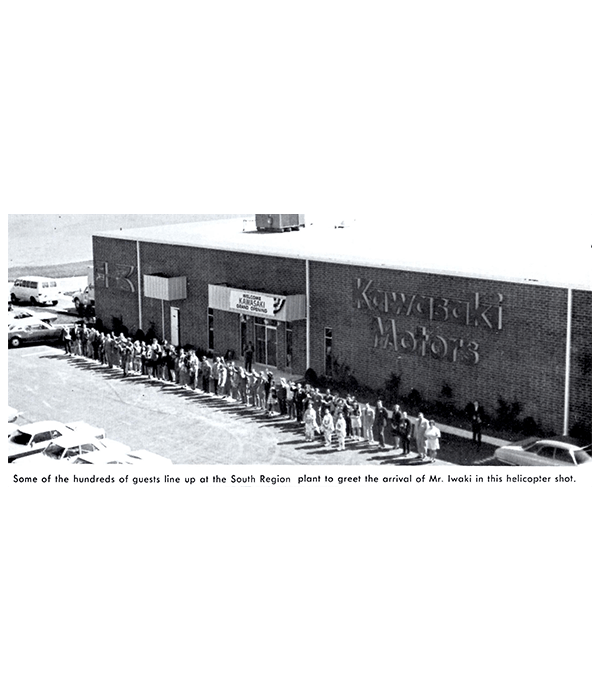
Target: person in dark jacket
(476, 423)
(395, 421)
(381, 421)
(406, 431)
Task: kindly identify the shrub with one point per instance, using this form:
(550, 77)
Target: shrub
(390, 393)
(529, 426)
(507, 413)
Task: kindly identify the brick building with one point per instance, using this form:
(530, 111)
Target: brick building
(324, 296)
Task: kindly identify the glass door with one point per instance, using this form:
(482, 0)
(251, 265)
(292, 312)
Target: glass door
(271, 343)
(266, 341)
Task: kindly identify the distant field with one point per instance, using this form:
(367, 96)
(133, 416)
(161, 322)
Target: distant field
(53, 239)
(74, 269)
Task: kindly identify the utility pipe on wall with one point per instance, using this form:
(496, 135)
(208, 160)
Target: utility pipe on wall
(568, 362)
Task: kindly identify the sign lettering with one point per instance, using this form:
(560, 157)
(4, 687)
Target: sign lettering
(255, 303)
(389, 307)
(466, 312)
(115, 275)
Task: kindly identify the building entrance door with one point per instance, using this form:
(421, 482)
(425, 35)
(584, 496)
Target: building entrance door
(174, 326)
(266, 341)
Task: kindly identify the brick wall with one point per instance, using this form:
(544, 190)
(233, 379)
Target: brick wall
(581, 360)
(521, 357)
(522, 361)
(201, 267)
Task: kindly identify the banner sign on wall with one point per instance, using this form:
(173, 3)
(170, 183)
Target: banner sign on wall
(255, 303)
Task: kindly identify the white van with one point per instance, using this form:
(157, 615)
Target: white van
(37, 290)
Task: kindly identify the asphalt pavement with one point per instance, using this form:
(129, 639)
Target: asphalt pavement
(187, 426)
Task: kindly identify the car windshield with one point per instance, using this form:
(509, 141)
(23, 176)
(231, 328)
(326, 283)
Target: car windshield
(533, 447)
(582, 456)
(21, 438)
(54, 451)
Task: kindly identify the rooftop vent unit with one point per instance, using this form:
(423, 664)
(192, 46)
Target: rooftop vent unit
(279, 222)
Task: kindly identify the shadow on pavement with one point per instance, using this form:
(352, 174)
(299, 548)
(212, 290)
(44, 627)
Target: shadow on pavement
(455, 450)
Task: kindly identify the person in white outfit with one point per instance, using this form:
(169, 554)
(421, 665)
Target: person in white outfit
(327, 427)
(432, 440)
(310, 421)
(340, 431)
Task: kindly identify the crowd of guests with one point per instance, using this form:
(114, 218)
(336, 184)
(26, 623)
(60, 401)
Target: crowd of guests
(327, 415)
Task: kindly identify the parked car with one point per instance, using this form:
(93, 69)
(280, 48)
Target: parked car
(548, 452)
(18, 314)
(33, 331)
(85, 297)
(37, 290)
(67, 448)
(13, 414)
(111, 456)
(35, 437)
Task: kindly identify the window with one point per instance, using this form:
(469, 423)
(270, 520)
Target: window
(328, 351)
(211, 329)
(88, 448)
(289, 337)
(546, 452)
(562, 455)
(243, 334)
(42, 437)
(583, 456)
(20, 438)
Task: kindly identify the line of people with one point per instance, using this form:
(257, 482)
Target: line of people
(320, 413)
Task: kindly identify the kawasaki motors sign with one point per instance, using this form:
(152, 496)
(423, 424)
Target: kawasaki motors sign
(255, 304)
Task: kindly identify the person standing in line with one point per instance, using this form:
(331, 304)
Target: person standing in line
(355, 419)
(261, 378)
(368, 420)
(432, 440)
(476, 423)
(171, 363)
(380, 423)
(83, 336)
(310, 422)
(67, 340)
(243, 385)
(406, 431)
(253, 387)
(214, 375)
(205, 370)
(420, 428)
(222, 381)
(340, 430)
(102, 348)
(96, 345)
(127, 357)
(249, 356)
(109, 347)
(299, 398)
(395, 420)
(291, 405)
(193, 364)
(282, 396)
(271, 399)
(327, 427)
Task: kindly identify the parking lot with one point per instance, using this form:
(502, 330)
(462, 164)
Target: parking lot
(188, 427)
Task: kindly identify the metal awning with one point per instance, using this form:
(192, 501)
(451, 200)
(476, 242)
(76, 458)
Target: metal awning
(252, 303)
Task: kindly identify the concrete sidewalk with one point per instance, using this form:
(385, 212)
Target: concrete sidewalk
(448, 429)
